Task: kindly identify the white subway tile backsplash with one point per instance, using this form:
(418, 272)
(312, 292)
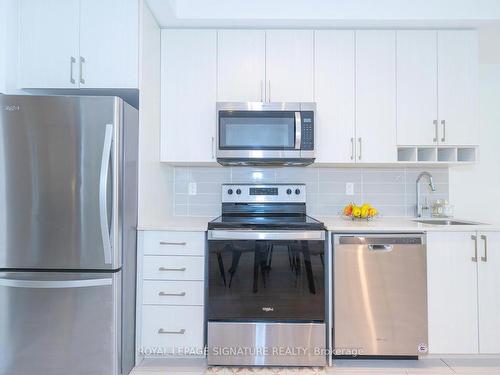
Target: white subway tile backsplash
(391, 190)
(337, 188)
(251, 175)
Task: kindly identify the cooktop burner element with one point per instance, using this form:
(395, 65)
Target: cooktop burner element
(274, 206)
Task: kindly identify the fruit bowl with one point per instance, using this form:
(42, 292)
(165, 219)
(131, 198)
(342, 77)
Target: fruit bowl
(363, 212)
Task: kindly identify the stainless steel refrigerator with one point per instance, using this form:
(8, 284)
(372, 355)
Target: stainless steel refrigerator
(68, 217)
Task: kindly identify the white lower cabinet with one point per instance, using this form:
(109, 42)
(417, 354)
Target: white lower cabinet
(463, 284)
(175, 330)
(489, 292)
(170, 294)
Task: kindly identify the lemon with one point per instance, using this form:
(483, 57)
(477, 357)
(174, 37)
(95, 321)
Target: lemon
(364, 211)
(356, 211)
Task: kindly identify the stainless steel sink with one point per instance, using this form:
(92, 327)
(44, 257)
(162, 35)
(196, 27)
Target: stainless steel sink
(445, 222)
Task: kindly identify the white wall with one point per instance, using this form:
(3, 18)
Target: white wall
(8, 46)
(3, 39)
(323, 13)
(155, 179)
(475, 189)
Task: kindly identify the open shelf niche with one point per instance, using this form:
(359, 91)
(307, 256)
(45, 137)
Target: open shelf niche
(437, 154)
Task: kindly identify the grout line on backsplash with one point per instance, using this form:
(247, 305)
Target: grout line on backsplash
(406, 198)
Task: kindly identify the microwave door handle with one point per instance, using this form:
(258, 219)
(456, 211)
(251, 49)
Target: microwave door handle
(298, 130)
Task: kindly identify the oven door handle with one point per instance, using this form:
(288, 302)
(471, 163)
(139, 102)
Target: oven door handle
(271, 235)
(298, 130)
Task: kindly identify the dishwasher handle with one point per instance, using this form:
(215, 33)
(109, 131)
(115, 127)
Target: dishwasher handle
(385, 248)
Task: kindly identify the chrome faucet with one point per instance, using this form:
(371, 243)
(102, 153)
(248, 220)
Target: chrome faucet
(420, 207)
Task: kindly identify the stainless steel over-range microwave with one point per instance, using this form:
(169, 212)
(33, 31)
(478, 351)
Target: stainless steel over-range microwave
(256, 133)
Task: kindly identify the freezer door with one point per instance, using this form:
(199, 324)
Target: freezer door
(59, 182)
(59, 323)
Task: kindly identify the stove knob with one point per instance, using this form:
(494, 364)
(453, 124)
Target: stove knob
(297, 191)
(289, 191)
(238, 191)
(230, 191)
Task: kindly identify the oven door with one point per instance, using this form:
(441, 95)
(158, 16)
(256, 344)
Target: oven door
(266, 276)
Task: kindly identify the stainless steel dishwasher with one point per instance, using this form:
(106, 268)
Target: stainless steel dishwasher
(380, 294)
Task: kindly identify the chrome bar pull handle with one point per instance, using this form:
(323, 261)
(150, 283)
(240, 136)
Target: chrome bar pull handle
(179, 332)
(213, 144)
(360, 143)
(72, 62)
(474, 238)
(103, 192)
(436, 131)
(82, 60)
(163, 294)
(173, 243)
(443, 122)
(485, 239)
(352, 148)
(172, 269)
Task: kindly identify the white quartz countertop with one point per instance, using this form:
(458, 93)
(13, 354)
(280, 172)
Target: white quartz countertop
(334, 224)
(180, 223)
(397, 224)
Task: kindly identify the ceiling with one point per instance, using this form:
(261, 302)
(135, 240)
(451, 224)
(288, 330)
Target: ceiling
(325, 13)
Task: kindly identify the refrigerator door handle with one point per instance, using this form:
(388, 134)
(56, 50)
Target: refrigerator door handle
(54, 284)
(103, 192)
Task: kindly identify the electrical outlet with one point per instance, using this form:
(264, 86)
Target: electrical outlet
(192, 188)
(349, 188)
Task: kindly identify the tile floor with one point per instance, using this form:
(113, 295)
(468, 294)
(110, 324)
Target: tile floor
(427, 366)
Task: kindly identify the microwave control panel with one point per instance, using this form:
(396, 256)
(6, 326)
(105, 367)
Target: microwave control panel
(307, 142)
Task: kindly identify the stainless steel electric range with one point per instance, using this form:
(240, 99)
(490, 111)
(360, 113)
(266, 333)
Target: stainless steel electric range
(266, 289)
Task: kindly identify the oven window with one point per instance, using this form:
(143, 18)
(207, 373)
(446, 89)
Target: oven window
(266, 280)
(249, 130)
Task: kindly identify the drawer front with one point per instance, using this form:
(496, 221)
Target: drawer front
(174, 268)
(173, 292)
(172, 327)
(174, 243)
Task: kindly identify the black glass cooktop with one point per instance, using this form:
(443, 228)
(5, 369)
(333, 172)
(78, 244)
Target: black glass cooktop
(266, 222)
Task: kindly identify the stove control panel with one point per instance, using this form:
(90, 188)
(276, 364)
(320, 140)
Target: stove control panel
(268, 193)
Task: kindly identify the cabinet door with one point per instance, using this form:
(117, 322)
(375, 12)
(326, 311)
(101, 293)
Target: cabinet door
(334, 95)
(376, 96)
(458, 96)
(48, 44)
(452, 293)
(289, 65)
(241, 65)
(417, 87)
(109, 43)
(188, 95)
(488, 287)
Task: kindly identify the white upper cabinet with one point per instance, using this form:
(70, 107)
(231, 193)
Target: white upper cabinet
(376, 96)
(334, 81)
(49, 43)
(109, 43)
(458, 96)
(188, 96)
(79, 44)
(488, 287)
(452, 293)
(241, 65)
(289, 65)
(417, 114)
